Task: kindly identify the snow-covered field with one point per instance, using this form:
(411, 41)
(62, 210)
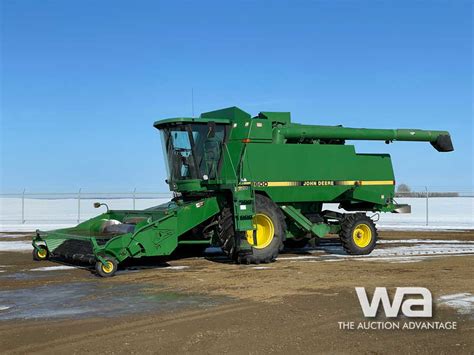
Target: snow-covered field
(444, 213)
(59, 213)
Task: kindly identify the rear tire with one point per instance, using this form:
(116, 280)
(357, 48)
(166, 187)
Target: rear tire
(41, 253)
(358, 234)
(272, 229)
(226, 233)
(107, 270)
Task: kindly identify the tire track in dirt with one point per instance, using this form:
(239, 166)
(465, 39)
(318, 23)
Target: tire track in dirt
(124, 329)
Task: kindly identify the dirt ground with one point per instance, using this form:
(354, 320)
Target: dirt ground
(208, 305)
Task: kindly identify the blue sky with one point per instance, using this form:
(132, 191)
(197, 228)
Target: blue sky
(83, 81)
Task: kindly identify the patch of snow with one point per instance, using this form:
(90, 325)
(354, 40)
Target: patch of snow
(153, 267)
(398, 259)
(16, 246)
(261, 267)
(31, 226)
(47, 214)
(462, 302)
(177, 267)
(15, 236)
(297, 257)
(420, 250)
(424, 249)
(427, 241)
(420, 227)
(54, 268)
(408, 260)
(391, 260)
(445, 213)
(127, 271)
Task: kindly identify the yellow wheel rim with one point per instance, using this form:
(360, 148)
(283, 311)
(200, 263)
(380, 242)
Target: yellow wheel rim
(108, 267)
(362, 235)
(264, 231)
(42, 253)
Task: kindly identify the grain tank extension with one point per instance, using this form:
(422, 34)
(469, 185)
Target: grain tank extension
(249, 185)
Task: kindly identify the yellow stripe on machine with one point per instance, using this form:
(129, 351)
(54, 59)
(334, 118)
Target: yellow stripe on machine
(284, 183)
(322, 183)
(378, 182)
(365, 182)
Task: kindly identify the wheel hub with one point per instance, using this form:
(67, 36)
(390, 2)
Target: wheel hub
(362, 235)
(108, 267)
(264, 231)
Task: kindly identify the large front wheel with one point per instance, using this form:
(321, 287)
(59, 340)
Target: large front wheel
(266, 240)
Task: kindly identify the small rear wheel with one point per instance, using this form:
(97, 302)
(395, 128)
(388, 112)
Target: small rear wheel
(41, 253)
(108, 269)
(358, 234)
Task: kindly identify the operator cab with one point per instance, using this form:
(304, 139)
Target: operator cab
(193, 149)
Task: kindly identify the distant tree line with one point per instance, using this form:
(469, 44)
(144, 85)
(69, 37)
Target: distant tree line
(403, 190)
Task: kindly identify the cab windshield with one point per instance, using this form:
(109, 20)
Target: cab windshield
(193, 150)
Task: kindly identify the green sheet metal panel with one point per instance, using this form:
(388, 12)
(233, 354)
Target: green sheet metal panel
(317, 172)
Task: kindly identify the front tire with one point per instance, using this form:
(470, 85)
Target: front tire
(108, 269)
(358, 234)
(269, 234)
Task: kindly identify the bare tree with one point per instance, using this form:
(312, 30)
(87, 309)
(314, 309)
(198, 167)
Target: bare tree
(403, 188)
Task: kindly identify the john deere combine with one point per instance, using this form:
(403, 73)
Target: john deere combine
(248, 185)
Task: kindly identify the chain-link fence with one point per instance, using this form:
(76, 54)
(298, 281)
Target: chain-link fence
(443, 201)
(25, 207)
(431, 206)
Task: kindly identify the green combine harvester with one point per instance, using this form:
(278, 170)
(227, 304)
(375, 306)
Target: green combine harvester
(249, 185)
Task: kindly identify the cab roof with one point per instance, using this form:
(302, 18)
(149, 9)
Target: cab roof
(225, 116)
(177, 120)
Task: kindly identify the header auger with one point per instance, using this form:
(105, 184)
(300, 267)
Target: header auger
(248, 185)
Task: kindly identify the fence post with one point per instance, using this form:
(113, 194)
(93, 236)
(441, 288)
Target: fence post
(134, 192)
(79, 206)
(426, 190)
(23, 207)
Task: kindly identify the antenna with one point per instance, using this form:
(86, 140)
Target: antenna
(192, 101)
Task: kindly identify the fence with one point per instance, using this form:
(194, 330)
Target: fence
(444, 196)
(71, 207)
(430, 207)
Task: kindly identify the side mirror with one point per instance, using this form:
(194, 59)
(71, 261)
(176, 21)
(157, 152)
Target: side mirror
(98, 204)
